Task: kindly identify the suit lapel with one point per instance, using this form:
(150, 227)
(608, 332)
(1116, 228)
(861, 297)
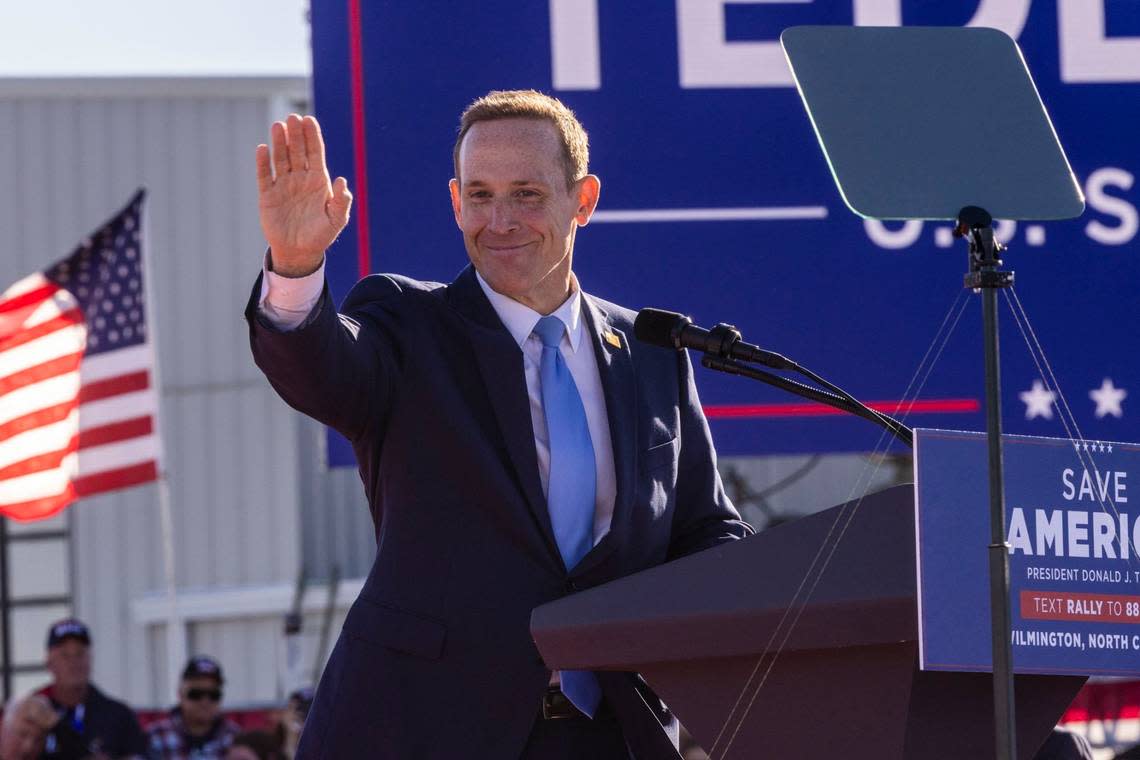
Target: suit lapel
(619, 386)
(500, 362)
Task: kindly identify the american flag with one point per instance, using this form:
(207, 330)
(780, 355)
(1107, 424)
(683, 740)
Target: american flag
(78, 407)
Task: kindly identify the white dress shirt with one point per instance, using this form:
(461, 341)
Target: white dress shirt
(286, 301)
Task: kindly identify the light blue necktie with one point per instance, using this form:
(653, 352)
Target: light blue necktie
(571, 486)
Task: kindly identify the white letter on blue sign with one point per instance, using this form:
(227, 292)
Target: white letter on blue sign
(1087, 54)
(575, 62)
(1048, 531)
(1018, 533)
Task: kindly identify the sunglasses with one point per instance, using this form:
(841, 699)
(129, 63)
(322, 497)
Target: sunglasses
(194, 695)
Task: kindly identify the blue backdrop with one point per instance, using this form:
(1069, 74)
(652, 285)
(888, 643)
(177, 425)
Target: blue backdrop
(692, 113)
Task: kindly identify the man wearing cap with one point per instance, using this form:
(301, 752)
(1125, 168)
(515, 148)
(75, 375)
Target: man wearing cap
(195, 729)
(104, 726)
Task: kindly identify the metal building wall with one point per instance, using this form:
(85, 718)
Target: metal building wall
(240, 463)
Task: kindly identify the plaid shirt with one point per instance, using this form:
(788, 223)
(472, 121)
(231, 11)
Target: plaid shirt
(168, 739)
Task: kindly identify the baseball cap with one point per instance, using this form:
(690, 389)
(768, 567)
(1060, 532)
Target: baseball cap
(202, 666)
(68, 628)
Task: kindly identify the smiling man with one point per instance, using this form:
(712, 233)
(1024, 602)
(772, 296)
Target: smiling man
(514, 444)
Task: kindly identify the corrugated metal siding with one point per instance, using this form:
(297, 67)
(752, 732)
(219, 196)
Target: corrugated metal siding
(73, 153)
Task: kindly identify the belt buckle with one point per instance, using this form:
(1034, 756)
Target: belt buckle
(557, 706)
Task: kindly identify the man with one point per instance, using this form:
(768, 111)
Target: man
(26, 725)
(515, 445)
(105, 727)
(195, 728)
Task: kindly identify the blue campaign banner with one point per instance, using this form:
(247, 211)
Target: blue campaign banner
(1073, 529)
(717, 201)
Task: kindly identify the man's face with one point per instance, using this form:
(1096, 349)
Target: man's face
(517, 215)
(200, 698)
(69, 662)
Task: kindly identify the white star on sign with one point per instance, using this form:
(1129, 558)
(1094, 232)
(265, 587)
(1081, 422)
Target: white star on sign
(1038, 401)
(1108, 398)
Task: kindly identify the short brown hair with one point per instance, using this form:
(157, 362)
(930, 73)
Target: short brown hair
(531, 104)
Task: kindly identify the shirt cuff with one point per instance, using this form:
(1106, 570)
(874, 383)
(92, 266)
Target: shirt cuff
(287, 301)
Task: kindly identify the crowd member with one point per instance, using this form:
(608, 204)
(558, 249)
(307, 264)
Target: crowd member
(195, 728)
(515, 442)
(255, 745)
(1064, 744)
(291, 720)
(90, 722)
(27, 721)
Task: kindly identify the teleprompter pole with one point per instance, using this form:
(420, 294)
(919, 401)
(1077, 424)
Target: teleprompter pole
(986, 278)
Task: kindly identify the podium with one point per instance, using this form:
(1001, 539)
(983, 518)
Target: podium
(844, 679)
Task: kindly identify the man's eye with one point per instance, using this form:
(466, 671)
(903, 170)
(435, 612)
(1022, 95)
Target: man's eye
(527, 194)
(479, 195)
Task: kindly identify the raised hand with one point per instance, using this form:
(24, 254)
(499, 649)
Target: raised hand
(301, 211)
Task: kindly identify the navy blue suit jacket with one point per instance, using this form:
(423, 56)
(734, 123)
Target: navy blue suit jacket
(435, 659)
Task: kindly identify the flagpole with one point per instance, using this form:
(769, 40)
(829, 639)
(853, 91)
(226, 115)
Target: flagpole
(176, 649)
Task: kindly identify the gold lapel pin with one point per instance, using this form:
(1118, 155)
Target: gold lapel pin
(612, 339)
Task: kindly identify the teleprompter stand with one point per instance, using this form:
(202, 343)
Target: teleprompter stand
(929, 123)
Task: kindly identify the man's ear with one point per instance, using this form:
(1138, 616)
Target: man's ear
(589, 190)
(456, 208)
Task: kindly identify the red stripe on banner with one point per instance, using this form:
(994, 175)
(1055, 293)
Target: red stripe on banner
(113, 479)
(52, 368)
(115, 432)
(39, 463)
(46, 416)
(812, 409)
(31, 298)
(39, 509)
(28, 334)
(115, 386)
(359, 154)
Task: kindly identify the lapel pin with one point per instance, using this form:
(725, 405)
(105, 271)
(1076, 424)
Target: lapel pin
(612, 339)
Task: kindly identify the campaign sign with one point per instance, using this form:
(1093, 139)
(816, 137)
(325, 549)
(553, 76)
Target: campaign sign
(717, 200)
(1072, 524)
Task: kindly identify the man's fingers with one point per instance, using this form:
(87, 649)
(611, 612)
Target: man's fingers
(314, 143)
(296, 136)
(264, 171)
(340, 203)
(280, 150)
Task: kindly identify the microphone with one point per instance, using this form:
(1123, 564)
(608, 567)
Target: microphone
(669, 329)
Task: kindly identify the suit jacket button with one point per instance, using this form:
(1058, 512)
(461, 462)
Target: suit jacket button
(572, 586)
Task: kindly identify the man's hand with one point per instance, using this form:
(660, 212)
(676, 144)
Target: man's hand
(301, 212)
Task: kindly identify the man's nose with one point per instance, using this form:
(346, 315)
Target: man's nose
(503, 218)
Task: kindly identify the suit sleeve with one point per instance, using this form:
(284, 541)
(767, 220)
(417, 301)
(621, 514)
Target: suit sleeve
(339, 369)
(704, 515)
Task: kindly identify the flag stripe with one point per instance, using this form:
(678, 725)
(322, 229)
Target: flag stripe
(32, 398)
(59, 343)
(45, 416)
(51, 368)
(51, 460)
(114, 479)
(28, 298)
(115, 432)
(28, 334)
(113, 386)
(100, 436)
(101, 367)
(121, 407)
(41, 440)
(39, 508)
